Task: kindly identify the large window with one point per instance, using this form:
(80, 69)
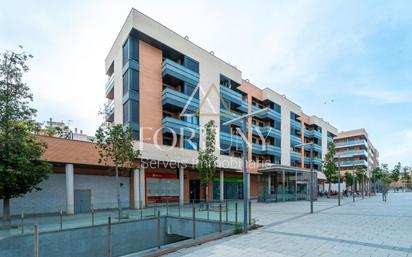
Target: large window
(125, 52)
(162, 187)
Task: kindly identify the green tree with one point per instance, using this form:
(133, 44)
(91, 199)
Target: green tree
(396, 172)
(115, 146)
(206, 165)
(348, 177)
(406, 177)
(21, 169)
(329, 166)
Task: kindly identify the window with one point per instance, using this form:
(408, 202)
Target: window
(134, 80)
(277, 124)
(126, 52)
(126, 82)
(191, 64)
(134, 111)
(126, 112)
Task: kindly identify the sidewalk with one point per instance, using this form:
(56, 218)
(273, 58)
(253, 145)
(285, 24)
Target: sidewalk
(367, 227)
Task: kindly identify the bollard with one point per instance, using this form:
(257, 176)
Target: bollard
(207, 210)
(61, 220)
(167, 207)
(194, 223)
(36, 240)
(141, 214)
(227, 212)
(22, 223)
(236, 213)
(109, 242)
(220, 217)
(140, 204)
(158, 229)
(92, 217)
(250, 212)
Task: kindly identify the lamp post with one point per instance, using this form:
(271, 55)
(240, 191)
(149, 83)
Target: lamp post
(311, 172)
(243, 119)
(363, 183)
(353, 183)
(338, 183)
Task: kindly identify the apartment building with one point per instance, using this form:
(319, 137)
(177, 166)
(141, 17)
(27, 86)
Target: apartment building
(354, 150)
(166, 89)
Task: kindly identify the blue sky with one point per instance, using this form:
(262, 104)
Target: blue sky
(356, 53)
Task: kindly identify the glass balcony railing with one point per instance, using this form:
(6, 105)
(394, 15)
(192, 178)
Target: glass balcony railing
(110, 112)
(266, 131)
(313, 133)
(295, 156)
(231, 95)
(296, 140)
(353, 163)
(178, 99)
(109, 88)
(180, 127)
(243, 107)
(352, 143)
(296, 125)
(316, 160)
(272, 114)
(266, 149)
(352, 153)
(171, 68)
(227, 139)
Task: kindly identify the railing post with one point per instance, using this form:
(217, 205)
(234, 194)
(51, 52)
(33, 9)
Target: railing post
(92, 217)
(178, 209)
(250, 212)
(118, 214)
(167, 207)
(22, 222)
(158, 229)
(109, 243)
(36, 240)
(227, 211)
(207, 210)
(61, 220)
(236, 213)
(220, 217)
(141, 214)
(154, 209)
(194, 223)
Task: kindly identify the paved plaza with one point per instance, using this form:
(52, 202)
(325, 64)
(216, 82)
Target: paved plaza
(367, 227)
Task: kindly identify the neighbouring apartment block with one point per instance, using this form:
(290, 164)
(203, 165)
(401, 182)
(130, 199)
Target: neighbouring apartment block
(354, 151)
(166, 89)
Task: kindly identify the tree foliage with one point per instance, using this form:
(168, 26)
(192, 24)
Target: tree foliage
(396, 172)
(348, 178)
(206, 165)
(329, 164)
(115, 146)
(21, 169)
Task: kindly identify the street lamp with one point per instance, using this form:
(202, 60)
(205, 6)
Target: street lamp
(338, 183)
(353, 183)
(311, 172)
(363, 183)
(243, 119)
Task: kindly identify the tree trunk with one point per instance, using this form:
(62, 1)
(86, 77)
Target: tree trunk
(117, 188)
(6, 211)
(206, 193)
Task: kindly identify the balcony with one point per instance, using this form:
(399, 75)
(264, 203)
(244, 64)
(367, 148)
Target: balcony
(295, 156)
(243, 107)
(266, 149)
(173, 69)
(266, 131)
(316, 160)
(110, 112)
(227, 139)
(109, 88)
(177, 99)
(316, 148)
(352, 153)
(295, 140)
(313, 133)
(271, 114)
(231, 95)
(296, 125)
(180, 127)
(353, 163)
(352, 143)
(226, 115)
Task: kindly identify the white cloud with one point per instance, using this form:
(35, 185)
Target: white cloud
(384, 95)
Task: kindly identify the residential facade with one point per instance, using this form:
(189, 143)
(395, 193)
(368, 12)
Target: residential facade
(166, 89)
(354, 151)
